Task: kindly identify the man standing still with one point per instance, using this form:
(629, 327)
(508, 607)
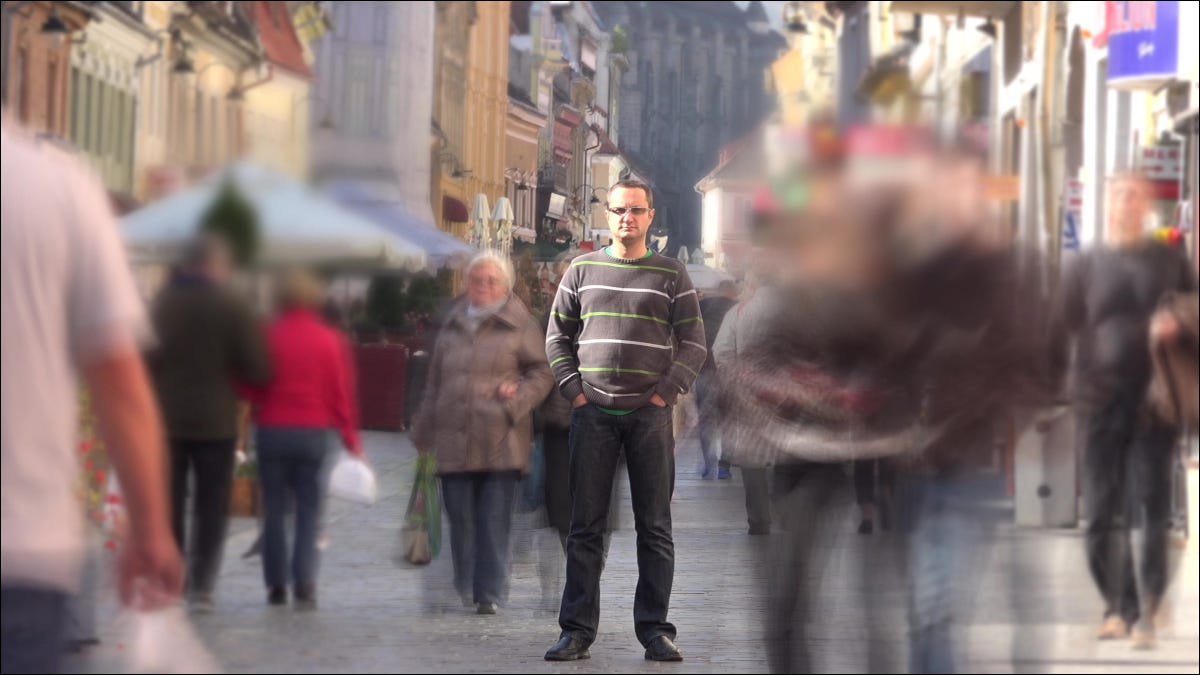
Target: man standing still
(625, 340)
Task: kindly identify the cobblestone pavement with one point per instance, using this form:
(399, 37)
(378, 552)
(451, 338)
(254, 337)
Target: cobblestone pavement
(379, 616)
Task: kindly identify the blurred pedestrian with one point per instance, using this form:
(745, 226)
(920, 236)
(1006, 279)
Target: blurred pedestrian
(310, 392)
(209, 340)
(69, 308)
(713, 309)
(1108, 298)
(488, 373)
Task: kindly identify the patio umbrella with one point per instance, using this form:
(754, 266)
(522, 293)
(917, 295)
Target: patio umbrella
(503, 215)
(481, 236)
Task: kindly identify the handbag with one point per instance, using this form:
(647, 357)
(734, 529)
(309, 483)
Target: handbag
(421, 535)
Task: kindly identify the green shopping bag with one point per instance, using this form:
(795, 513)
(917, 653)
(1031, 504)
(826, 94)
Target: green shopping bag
(421, 538)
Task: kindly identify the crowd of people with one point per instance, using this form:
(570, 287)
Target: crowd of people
(889, 326)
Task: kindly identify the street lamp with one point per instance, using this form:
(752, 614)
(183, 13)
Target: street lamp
(988, 28)
(793, 18)
(448, 157)
(183, 63)
(235, 92)
(55, 29)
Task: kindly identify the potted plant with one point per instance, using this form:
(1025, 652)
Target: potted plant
(244, 498)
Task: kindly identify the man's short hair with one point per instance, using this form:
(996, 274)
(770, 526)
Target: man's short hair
(634, 184)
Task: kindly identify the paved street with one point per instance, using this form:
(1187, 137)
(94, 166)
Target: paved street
(377, 616)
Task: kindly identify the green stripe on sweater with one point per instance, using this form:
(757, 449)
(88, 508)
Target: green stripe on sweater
(682, 365)
(627, 316)
(618, 370)
(625, 265)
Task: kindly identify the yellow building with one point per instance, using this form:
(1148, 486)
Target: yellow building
(447, 189)
(802, 78)
(275, 105)
(470, 108)
(193, 123)
(487, 100)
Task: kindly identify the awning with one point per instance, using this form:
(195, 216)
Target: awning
(440, 248)
(454, 210)
(297, 225)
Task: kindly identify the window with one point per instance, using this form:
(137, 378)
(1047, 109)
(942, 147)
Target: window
(377, 113)
(392, 102)
(235, 141)
(124, 147)
(86, 117)
(198, 148)
(152, 102)
(74, 130)
(22, 88)
(383, 18)
(220, 137)
(95, 114)
(52, 123)
(357, 83)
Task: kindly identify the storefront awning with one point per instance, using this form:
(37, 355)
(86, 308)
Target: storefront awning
(454, 210)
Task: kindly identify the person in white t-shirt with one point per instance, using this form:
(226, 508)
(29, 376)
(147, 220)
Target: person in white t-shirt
(70, 310)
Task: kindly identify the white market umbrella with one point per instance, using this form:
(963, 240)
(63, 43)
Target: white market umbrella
(296, 225)
(683, 255)
(503, 215)
(481, 236)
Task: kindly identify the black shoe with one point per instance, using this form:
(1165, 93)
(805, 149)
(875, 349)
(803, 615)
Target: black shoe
(305, 597)
(277, 596)
(568, 648)
(662, 649)
(866, 526)
(485, 608)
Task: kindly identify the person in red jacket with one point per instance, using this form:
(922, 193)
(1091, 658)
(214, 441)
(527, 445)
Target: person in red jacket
(310, 393)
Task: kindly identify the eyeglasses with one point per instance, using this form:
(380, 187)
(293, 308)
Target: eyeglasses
(619, 211)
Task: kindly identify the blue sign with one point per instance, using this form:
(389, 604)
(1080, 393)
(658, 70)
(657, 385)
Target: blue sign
(1143, 41)
(1071, 232)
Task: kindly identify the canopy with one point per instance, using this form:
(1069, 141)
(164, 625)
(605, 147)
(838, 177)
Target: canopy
(384, 208)
(296, 224)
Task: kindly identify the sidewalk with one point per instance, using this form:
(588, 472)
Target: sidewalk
(377, 616)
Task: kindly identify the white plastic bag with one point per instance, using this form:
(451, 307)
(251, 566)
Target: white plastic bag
(353, 480)
(163, 641)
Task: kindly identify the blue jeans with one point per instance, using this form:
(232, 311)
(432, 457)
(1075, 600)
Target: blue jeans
(480, 506)
(709, 422)
(597, 440)
(291, 464)
(949, 531)
(33, 624)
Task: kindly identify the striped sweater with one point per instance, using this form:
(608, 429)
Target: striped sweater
(622, 330)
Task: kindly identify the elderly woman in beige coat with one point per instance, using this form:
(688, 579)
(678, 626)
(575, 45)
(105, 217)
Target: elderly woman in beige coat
(488, 373)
